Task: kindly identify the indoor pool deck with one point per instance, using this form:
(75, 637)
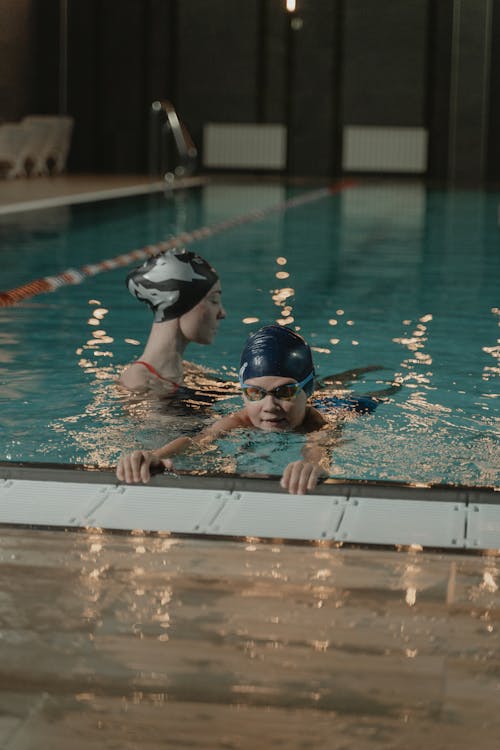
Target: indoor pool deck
(45, 192)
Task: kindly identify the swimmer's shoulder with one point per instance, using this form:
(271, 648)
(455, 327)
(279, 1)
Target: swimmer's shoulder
(145, 386)
(237, 419)
(140, 377)
(226, 424)
(314, 420)
(132, 378)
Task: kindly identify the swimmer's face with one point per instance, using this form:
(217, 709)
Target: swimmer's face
(202, 322)
(273, 414)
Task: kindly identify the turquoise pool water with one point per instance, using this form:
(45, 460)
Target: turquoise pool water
(397, 276)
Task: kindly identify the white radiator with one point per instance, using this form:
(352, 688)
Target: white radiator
(244, 146)
(381, 149)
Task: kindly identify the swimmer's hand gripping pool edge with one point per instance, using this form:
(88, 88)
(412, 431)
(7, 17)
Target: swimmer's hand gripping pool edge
(140, 465)
(298, 478)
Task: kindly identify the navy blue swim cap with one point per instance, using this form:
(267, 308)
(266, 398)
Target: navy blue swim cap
(172, 283)
(278, 351)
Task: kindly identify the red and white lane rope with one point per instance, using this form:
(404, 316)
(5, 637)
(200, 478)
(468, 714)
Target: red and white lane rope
(76, 276)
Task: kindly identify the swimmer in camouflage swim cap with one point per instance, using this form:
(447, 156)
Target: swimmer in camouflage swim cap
(184, 293)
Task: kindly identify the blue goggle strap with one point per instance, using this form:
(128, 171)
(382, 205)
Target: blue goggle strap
(299, 385)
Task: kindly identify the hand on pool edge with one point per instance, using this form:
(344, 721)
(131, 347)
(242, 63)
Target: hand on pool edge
(300, 477)
(136, 466)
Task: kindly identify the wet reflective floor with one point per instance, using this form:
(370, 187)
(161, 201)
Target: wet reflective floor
(130, 641)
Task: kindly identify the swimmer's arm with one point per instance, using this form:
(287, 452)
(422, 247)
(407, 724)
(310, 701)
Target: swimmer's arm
(140, 464)
(207, 435)
(222, 426)
(300, 477)
(137, 466)
(317, 450)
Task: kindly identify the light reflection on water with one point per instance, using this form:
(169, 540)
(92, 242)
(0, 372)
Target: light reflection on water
(411, 437)
(376, 276)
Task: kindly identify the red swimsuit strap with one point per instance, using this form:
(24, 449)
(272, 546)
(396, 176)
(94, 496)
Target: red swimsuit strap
(155, 372)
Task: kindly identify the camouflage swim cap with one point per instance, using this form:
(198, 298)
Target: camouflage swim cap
(172, 283)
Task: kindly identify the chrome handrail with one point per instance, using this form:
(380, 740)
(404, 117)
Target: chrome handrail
(158, 147)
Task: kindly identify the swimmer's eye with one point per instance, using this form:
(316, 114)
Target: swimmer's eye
(282, 392)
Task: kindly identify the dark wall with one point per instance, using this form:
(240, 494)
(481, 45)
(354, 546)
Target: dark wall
(314, 67)
(16, 33)
(120, 59)
(217, 62)
(438, 81)
(44, 53)
(385, 62)
(493, 158)
(332, 63)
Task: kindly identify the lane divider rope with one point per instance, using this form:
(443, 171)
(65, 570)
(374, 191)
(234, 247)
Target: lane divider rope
(76, 276)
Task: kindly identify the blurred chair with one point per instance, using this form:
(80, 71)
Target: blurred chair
(14, 149)
(49, 139)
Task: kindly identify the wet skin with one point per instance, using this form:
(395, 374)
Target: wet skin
(200, 324)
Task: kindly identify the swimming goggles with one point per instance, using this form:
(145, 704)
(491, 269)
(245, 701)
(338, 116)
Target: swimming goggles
(285, 392)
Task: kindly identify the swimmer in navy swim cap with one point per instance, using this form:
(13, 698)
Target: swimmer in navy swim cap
(276, 377)
(276, 350)
(184, 293)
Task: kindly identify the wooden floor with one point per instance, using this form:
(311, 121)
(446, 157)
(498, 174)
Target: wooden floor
(144, 642)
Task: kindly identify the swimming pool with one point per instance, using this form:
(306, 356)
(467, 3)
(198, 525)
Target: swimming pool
(399, 276)
(310, 643)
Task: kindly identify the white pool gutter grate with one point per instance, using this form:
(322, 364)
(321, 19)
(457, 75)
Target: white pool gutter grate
(355, 513)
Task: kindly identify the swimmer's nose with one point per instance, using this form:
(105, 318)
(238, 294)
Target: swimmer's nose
(271, 403)
(222, 313)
